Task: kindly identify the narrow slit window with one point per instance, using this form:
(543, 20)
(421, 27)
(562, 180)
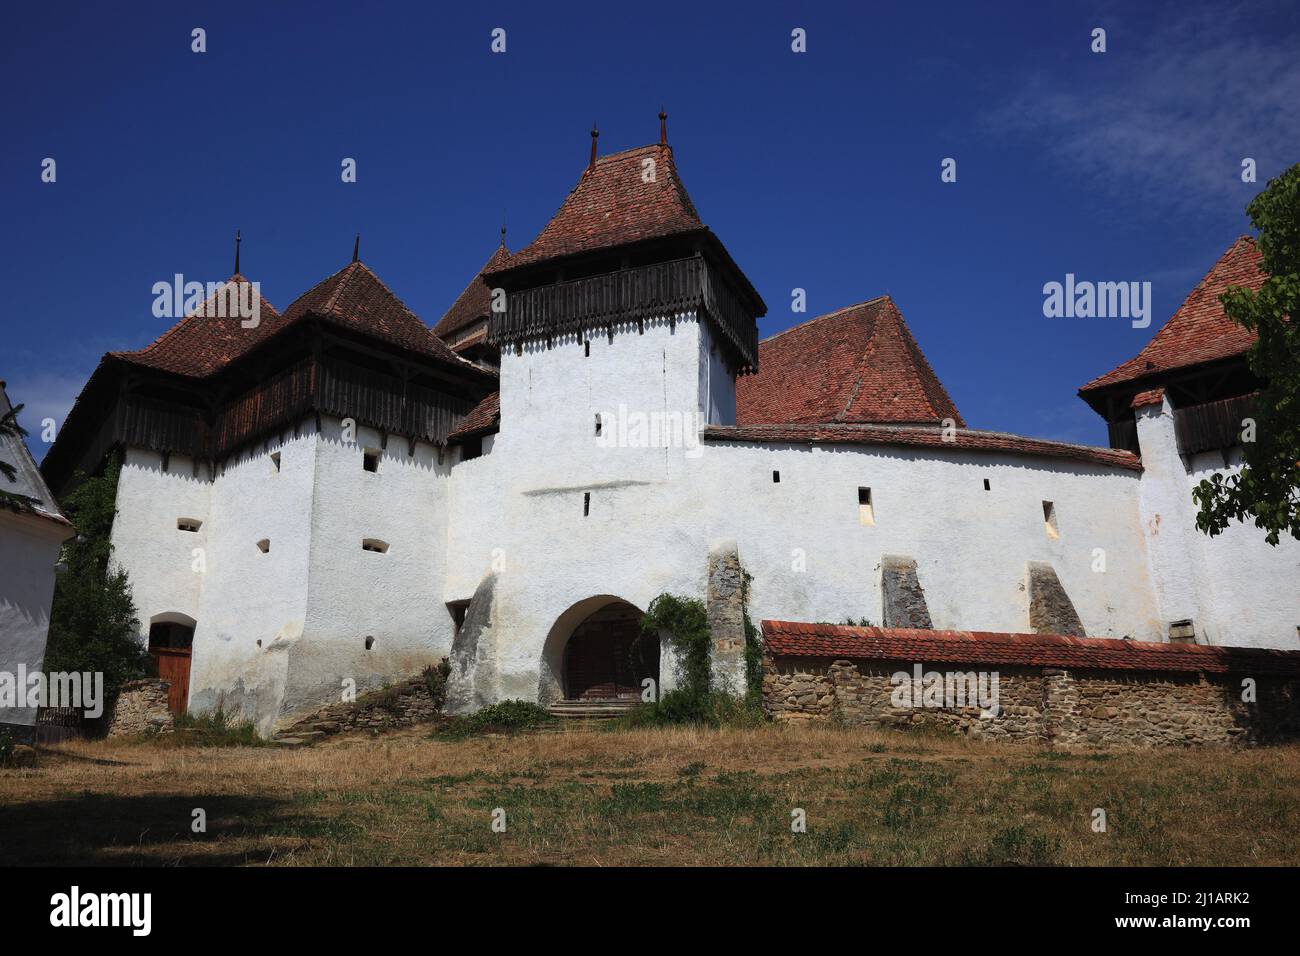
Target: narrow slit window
(1049, 520)
(776, 477)
(191, 525)
(264, 545)
(586, 503)
(374, 545)
(986, 485)
(586, 349)
(598, 423)
(370, 459)
(275, 462)
(370, 641)
(866, 513)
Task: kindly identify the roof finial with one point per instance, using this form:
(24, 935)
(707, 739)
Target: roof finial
(503, 232)
(594, 134)
(356, 247)
(663, 127)
(237, 240)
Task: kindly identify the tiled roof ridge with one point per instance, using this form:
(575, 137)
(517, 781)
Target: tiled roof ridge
(824, 640)
(929, 381)
(1172, 326)
(192, 316)
(925, 435)
(826, 315)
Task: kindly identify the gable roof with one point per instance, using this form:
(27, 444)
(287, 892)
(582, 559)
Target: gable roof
(792, 639)
(859, 364)
(27, 481)
(613, 205)
(476, 301)
(199, 345)
(354, 298)
(1198, 332)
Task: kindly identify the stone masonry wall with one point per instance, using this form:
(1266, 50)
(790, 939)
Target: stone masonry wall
(1045, 704)
(141, 708)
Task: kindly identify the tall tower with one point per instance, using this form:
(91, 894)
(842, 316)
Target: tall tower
(624, 300)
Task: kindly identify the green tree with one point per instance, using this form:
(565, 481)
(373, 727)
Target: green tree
(93, 622)
(1267, 488)
(9, 426)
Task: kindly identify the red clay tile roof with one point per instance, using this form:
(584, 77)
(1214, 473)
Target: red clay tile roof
(918, 436)
(790, 639)
(613, 205)
(1199, 331)
(355, 298)
(198, 346)
(483, 417)
(859, 364)
(476, 301)
(1152, 396)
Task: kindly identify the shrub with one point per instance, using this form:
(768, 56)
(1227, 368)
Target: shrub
(435, 678)
(214, 729)
(7, 746)
(508, 716)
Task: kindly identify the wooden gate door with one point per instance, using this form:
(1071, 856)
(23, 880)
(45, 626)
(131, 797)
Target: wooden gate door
(607, 658)
(174, 665)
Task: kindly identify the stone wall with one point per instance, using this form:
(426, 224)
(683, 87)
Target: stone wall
(401, 705)
(141, 708)
(1047, 704)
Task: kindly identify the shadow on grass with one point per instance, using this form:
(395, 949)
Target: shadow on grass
(150, 830)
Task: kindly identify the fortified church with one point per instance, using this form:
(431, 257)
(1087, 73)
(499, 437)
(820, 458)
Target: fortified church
(344, 493)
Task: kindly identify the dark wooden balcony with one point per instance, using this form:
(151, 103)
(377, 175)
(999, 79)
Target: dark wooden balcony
(659, 290)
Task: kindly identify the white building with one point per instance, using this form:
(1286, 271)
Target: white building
(32, 531)
(339, 496)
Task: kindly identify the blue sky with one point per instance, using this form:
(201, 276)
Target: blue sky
(817, 170)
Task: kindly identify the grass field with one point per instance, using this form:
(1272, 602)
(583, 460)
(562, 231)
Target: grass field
(657, 797)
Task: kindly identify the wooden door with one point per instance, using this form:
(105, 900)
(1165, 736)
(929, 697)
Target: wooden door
(607, 657)
(169, 646)
(173, 665)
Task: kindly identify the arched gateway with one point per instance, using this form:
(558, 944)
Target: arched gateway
(596, 651)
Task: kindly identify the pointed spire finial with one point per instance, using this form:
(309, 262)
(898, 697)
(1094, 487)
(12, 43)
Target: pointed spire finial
(663, 127)
(237, 241)
(503, 232)
(595, 133)
(356, 247)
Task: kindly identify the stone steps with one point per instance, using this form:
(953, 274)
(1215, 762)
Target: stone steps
(591, 709)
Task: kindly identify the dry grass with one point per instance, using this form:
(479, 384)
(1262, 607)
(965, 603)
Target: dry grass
(675, 796)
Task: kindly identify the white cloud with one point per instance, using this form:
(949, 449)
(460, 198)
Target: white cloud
(1167, 115)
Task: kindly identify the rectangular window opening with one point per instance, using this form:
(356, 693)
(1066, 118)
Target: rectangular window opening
(586, 503)
(457, 610)
(188, 524)
(375, 545)
(866, 513)
(598, 423)
(370, 459)
(1182, 632)
(986, 484)
(1049, 520)
(776, 477)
